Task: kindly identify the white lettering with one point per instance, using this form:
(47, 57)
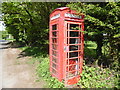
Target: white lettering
(72, 15)
(54, 17)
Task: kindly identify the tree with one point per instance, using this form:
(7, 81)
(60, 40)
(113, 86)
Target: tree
(102, 18)
(29, 22)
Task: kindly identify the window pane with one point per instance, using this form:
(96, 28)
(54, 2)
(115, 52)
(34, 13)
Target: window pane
(54, 46)
(74, 27)
(54, 65)
(54, 53)
(73, 47)
(53, 71)
(54, 34)
(74, 41)
(54, 59)
(74, 34)
(73, 54)
(54, 27)
(54, 40)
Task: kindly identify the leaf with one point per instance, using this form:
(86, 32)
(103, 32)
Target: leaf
(117, 35)
(84, 32)
(92, 33)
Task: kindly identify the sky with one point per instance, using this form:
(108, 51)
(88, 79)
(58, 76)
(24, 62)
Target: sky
(2, 27)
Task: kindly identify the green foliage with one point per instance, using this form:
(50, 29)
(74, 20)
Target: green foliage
(89, 49)
(28, 21)
(102, 18)
(91, 77)
(0, 35)
(35, 51)
(43, 71)
(117, 35)
(40, 55)
(3, 35)
(96, 77)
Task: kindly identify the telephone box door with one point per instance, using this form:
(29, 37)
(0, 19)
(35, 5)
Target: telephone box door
(73, 50)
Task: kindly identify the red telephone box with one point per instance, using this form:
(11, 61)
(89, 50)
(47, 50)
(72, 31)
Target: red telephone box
(66, 45)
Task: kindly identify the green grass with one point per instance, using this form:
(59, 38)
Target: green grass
(43, 71)
(0, 35)
(23, 48)
(96, 77)
(35, 51)
(10, 39)
(4, 35)
(92, 77)
(90, 44)
(90, 49)
(40, 54)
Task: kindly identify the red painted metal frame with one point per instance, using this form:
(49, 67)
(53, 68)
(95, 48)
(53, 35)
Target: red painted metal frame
(60, 69)
(75, 79)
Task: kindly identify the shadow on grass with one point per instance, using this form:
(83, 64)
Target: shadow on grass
(15, 44)
(8, 44)
(42, 51)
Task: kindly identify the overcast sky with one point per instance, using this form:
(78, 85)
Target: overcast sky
(2, 27)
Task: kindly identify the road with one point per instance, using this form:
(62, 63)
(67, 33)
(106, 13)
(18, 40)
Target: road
(0, 67)
(16, 72)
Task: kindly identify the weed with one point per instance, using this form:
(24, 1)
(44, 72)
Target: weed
(96, 77)
(43, 71)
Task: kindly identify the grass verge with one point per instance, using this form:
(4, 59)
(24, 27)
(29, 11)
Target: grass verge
(91, 77)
